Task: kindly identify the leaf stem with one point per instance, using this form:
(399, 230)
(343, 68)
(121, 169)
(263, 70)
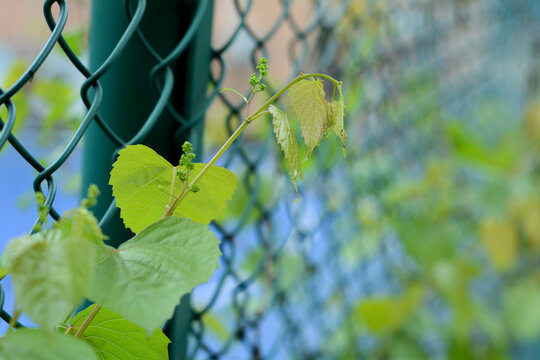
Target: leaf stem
(88, 320)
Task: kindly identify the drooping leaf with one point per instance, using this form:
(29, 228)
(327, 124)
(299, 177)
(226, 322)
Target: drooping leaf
(500, 240)
(335, 113)
(142, 184)
(115, 338)
(309, 103)
(287, 141)
(154, 269)
(81, 223)
(51, 274)
(27, 344)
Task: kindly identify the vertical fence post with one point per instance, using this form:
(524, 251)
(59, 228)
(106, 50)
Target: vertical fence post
(129, 96)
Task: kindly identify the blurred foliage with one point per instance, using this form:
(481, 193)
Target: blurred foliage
(467, 218)
(468, 222)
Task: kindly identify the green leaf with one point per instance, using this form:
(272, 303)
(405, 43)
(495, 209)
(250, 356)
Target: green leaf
(51, 274)
(82, 223)
(287, 141)
(217, 187)
(26, 344)
(154, 269)
(309, 103)
(385, 313)
(115, 338)
(335, 113)
(142, 184)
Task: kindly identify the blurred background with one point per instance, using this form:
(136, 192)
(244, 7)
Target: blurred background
(423, 243)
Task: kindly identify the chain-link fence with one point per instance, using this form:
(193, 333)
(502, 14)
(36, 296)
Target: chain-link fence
(294, 272)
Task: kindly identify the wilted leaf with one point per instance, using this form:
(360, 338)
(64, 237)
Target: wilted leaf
(309, 103)
(287, 141)
(335, 112)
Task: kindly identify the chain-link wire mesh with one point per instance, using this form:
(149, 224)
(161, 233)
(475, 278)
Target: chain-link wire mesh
(293, 272)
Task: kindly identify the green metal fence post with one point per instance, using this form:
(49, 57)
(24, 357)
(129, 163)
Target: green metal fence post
(129, 96)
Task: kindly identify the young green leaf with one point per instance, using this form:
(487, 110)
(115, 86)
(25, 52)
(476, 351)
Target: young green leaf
(154, 269)
(142, 183)
(51, 274)
(82, 223)
(309, 103)
(115, 338)
(27, 344)
(287, 141)
(335, 113)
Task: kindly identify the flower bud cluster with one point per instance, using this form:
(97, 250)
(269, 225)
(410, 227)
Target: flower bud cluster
(255, 80)
(91, 196)
(186, 160)
(42, 209)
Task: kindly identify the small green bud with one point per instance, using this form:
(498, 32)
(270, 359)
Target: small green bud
(187, 147)
(254, 80)
(40, 199)
(264, 72)
(91, 196)
(262, 87)
(93, 190)
(263, 60)
(190, 156)
(42, 210)
(182, 174)
(190, 166)
(195, 188)
(183, 160)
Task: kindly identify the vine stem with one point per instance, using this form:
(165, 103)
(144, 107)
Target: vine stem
(88, 320)
(259, 113)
